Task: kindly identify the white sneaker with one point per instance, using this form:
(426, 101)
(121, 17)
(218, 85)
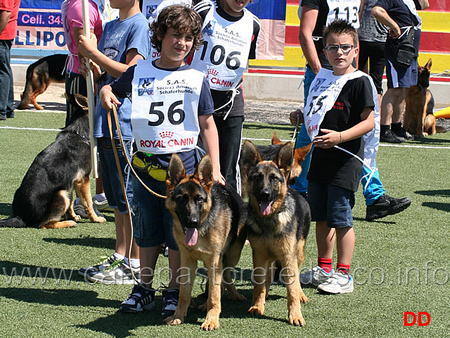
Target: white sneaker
(102, 205)
(315, 276)
(116, 273)
(338, 283)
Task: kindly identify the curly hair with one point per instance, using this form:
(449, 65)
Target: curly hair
(181, 18)
(339, 27)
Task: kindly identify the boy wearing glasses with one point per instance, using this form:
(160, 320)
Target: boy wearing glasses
(340, 109)
(314, 16)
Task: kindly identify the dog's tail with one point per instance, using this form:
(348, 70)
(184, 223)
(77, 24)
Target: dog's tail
(15, 222)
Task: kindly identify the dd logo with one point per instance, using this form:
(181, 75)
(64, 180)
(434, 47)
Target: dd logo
(410, 318)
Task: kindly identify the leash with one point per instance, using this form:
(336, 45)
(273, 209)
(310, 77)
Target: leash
(122, 183)
(119, 132)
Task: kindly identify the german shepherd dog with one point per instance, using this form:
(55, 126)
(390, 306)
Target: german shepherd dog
(278, 223)
(208, 225)
(39, 76)
(46, 190)
(419, 119)
(268, 152)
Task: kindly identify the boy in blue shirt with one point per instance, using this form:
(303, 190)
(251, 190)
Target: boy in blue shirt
(172, 104)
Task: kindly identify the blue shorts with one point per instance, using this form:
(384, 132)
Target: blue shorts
(398, 77)
(331, 204)
(110, 175)
(152, 222)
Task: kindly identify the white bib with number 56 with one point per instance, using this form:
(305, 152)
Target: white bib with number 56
(164, 114)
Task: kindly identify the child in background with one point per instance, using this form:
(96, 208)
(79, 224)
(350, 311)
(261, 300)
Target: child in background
(123, 42)
(338, 112)
(171, 102)
(230, 39)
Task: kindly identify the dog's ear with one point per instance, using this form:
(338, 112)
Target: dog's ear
(175, 172)
(284, 158)
(428, 65)
(299, 157)
(250, 156)
(204, 173)
(275, 139)
(82, 101)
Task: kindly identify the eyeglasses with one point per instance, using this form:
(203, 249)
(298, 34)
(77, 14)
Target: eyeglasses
(335, 48)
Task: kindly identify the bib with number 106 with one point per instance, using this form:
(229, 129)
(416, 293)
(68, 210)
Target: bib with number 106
(224, 53)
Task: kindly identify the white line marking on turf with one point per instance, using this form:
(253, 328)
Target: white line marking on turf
(22, 128)
(255, 139)
(381, 144)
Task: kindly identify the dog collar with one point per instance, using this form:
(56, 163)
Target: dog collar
(86, 139)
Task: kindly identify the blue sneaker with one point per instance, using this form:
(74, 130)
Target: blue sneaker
(170, 302)
(138, 300)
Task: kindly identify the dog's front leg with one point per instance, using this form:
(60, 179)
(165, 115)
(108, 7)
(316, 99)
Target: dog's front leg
(83, 190)
(294, 291)
(260, 274)
(214, 267)
(186, 277)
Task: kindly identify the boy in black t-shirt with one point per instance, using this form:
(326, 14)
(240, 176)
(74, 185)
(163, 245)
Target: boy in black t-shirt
(339, 111)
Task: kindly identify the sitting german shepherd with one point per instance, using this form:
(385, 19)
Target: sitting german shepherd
(278, 223)
(419, 119)
(208, 222)
(45, 194)
(39, 76)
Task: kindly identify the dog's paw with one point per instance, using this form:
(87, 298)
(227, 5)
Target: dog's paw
(72, 224)
(99, 220)
(77, 218)
(210, 324)
(303, 298)
(173, 321)
(297, 319)
(256, 310)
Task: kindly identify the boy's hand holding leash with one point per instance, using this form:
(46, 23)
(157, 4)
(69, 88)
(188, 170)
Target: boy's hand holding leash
(329, 139)
(296, 117)
(107, 98)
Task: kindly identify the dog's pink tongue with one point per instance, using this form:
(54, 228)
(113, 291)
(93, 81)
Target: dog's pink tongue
(265, 208)
(191, 236)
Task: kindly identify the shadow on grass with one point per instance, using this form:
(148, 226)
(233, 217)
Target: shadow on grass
(94, 242)
(441, 193)
(379, 220)
(47, 105)
(437, 206)
(6, 210)
(428, 141)
(18, 274)
(65, 297)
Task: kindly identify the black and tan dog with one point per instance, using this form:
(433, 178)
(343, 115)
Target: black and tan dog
(418, 118)
(268, 152)
(278, 223)
(45, 194)
(39, 76)
(208, 222)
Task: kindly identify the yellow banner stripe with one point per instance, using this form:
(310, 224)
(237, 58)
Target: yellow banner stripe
(435, 21)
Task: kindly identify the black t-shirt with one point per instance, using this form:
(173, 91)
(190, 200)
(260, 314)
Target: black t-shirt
(334, 166)
(323, 8)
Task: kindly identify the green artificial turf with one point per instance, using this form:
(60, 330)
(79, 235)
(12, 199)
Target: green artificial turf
(401, 262)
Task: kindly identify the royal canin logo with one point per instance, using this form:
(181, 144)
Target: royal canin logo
(166, 134)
